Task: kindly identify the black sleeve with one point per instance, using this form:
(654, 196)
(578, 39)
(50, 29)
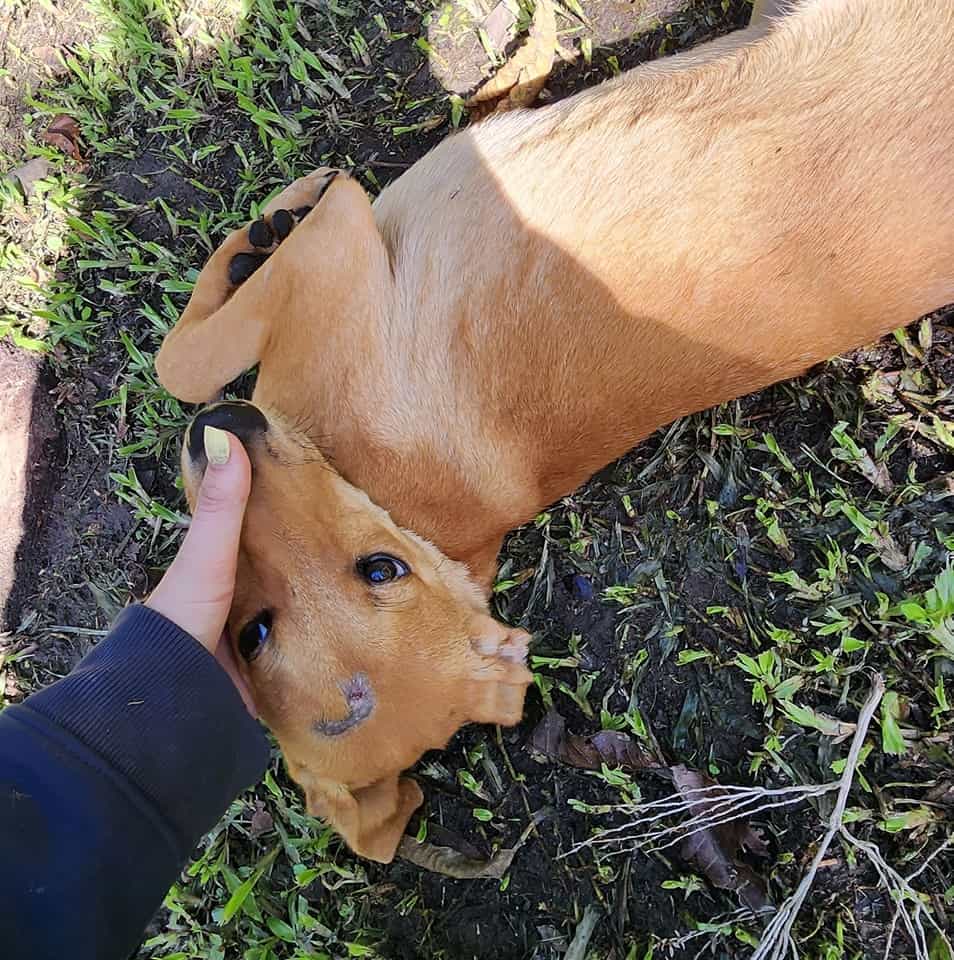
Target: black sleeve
(108, 779)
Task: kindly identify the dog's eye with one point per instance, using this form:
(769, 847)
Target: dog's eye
(380, 568)
(254, 635)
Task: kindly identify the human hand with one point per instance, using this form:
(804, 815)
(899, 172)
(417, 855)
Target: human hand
(196, 591)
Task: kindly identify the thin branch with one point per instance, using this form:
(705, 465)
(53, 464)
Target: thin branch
(777, 939)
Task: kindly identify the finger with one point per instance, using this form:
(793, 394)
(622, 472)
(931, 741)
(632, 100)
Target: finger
(196, 591)
(208, 553)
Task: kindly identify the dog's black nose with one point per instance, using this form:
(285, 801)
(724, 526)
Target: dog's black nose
(243, 419)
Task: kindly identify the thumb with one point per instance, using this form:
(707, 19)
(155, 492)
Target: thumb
(196, 591)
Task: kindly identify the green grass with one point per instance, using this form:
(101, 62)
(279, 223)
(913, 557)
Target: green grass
(738, 575)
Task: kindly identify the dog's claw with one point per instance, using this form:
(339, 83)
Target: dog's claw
(511, 647)
(243, 265)
(302, 212)
(260, 234)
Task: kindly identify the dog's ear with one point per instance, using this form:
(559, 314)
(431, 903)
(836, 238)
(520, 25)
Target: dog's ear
(332, 264)
(372, 819)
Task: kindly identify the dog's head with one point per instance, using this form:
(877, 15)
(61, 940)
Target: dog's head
(363, 645)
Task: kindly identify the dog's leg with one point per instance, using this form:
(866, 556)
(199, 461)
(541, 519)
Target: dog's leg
(371, 820)
(499, 677)
(251, 246)
(247, 248)
(223, 328)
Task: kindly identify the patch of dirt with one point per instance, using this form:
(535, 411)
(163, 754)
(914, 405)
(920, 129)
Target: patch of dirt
(33, 39)
(30, 452)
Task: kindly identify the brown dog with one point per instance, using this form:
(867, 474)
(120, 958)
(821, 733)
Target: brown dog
(526, 303)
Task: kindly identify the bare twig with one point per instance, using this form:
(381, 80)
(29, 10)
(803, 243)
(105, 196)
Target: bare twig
(727, 803)
(903, 893)
(581, 939)
(713, 806)
(777, 938)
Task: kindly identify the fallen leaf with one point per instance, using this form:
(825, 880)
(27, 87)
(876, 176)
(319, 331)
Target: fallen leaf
(881, 386)
(28, 173)
(875, 473)
(498, 25)
(453, 863)
(610, 747)
(261, 821)
(942, 793)
(51, 58)
(889, 552)
(519, 81)
(452, 856)
(713, 850)
(64, 133)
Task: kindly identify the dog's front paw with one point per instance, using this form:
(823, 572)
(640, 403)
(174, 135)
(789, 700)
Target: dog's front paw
(509, 645)
(279, 218)
(500, 676)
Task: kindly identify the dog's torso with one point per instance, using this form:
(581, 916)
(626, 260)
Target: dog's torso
(567, 280)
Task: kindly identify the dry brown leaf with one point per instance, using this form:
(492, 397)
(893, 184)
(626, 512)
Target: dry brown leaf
(611, 747)
(890, 553)
(712, 851)
(519, 81)
(453, 863)
(452, 856)
(51, 58)
(28, 173)
(261, 821)
(64, 133)
(875, 473)
(498, 25)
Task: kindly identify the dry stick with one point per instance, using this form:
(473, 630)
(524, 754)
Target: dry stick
(581, 939)
(728, 803)
(895, 884)
(900, 889)
(930, 859)
(717, 814)
(777, 939)
(683, 803)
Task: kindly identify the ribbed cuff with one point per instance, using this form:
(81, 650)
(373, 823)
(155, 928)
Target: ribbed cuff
(153, 703)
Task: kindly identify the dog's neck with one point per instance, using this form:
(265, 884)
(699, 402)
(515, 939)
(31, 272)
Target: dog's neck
(644, 250)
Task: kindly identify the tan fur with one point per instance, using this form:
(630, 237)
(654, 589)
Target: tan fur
(544, 290)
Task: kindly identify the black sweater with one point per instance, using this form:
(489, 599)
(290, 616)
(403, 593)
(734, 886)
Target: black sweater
(108, 779)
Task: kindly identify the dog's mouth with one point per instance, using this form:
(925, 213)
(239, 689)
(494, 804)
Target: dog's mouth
(361, 701)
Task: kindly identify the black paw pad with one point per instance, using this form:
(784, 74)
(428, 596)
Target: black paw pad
(302, 212)
(260, 234)
(282, 222)
(243, 265)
